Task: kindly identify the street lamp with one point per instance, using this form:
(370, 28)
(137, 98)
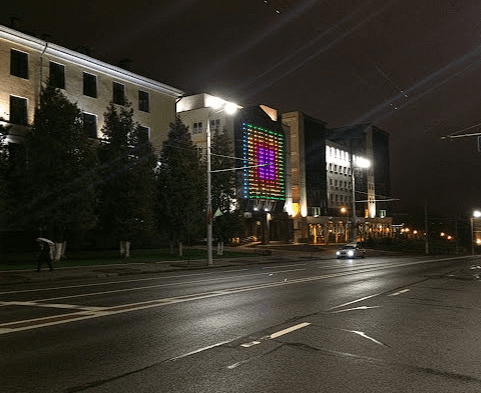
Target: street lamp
(229, 108)
(360, 163)
(476, 214)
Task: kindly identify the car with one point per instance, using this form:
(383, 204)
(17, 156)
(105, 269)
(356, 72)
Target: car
(351, 251)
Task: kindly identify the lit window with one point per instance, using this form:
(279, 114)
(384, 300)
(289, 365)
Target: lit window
(18, 110)
(18, 64)
(57, 75)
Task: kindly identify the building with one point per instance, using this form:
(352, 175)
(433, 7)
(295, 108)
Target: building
(27, 63)
(260, 143)
(327, 184)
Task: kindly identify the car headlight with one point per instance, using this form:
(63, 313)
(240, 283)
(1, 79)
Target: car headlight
(350, 253)
(338, 252)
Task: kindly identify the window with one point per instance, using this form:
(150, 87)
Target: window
(197, 128)
(90, 85)
(118, 94)
(90, 125)
(214, 125)
(144, 101)
(57, 75)
(18, 110)
(144, 133)
(18, 64)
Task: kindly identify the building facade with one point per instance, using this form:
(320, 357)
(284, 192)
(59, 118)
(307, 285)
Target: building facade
(327, 185)
(27, 63)
(260, 143)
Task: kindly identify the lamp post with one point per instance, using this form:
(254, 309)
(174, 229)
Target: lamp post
(230, 109)
(476, 214)
(360, 163)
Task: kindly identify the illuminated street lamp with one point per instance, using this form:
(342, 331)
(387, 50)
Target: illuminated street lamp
(230, 109)
(476, 214)
(362, 163)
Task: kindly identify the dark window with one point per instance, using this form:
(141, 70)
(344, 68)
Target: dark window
(90, 125)
(18, 63)
(144, 101)
(214, 125)
(57, 75)
(118, 94)
(197, 128)
(143, 135)
(18, 110)
(90, 85)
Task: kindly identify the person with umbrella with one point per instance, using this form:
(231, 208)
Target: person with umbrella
(45, 253)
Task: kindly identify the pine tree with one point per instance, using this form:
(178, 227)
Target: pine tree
(61, 163)
(181, 187)
(127, 178)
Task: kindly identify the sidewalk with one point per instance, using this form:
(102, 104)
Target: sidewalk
(282, 255)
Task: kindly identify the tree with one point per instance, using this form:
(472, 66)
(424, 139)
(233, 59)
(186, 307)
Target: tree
(181, 186)
(127, 172)
(5, 191)
(61, 162)
(229, 221)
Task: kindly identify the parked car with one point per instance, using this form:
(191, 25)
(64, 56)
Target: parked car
(351, 251)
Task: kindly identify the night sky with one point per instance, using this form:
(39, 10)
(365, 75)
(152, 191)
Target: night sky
(413, 68)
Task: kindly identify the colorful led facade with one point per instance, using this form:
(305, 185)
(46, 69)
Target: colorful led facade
(263, 153)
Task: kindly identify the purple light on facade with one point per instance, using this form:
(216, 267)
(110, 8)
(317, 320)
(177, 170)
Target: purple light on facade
(267, 156)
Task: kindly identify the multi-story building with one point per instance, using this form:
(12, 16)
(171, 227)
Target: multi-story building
(327, 185)
(260, 145)
(27, 63)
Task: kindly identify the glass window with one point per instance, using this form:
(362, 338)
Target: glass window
(18, 64)
(144, 133)
(57, 75)
(90, 125)
(118, 94)
(214, 125)
(18, 110)
(197, 128)
(144, 101)
(90, 85)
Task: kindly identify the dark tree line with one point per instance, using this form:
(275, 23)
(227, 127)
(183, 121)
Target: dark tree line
(71, 184)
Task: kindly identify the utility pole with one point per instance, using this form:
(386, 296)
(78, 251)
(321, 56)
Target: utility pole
(426, 227)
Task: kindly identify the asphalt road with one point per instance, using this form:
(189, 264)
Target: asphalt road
(378, 324)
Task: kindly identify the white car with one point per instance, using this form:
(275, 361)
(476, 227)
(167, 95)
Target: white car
(351, 251)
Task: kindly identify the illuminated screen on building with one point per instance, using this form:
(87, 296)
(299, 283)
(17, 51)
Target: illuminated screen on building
(263, 152)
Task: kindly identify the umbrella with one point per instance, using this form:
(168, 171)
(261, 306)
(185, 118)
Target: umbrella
(44, 240)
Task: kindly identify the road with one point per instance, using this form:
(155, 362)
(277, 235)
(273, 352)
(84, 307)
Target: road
(380, 324)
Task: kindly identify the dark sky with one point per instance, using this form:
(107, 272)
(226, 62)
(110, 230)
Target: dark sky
(413, 68)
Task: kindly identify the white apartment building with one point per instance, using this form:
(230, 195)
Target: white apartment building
(27, 63)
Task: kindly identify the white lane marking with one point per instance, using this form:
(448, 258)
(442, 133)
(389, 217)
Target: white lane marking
(277, 267)
(276, 334)
(354, 309)
(362, 334)
(252, 343)
(289, 330)
(52, 305)
(399, 292)
(199, 350)
(103, 283)
(354, 301)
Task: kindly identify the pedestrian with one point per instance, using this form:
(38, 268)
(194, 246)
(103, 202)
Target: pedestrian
(44, 256)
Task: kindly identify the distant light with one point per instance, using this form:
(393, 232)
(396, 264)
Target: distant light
(443, 234)
(477, 214)
(230, 108)
(363, 162)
